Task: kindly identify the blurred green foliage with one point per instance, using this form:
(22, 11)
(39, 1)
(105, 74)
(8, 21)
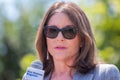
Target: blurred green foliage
(20, 19)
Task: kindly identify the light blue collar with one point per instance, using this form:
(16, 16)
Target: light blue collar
(79, 76)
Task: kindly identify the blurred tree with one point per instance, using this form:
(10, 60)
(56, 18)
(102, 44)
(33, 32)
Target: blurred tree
(18, 25)
(105, 17)
(108, 26)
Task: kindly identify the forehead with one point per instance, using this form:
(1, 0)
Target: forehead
(59, 19)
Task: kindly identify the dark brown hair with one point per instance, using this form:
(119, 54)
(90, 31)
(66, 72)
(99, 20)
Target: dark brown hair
(85, 60)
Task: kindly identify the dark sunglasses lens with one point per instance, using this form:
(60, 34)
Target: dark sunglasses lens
(51, 32)
(69, 33)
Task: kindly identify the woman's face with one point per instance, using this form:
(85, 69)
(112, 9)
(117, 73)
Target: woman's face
(61, 48)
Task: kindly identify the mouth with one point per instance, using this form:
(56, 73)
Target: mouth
(60, 48)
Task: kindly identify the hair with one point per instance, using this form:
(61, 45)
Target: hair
(85, 59)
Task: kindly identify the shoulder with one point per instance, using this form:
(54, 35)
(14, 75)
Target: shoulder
(107, 72)
(107, 68)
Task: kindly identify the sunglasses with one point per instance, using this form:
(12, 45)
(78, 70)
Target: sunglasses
(68, 32)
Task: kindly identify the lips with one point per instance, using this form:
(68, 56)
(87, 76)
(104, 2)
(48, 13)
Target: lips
(60, 47)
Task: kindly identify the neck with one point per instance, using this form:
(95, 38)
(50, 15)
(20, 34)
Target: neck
(62, 68)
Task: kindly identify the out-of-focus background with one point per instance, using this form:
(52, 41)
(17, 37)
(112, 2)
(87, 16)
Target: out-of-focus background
(19, 21)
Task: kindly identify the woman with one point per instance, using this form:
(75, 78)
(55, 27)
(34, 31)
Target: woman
(66, 46)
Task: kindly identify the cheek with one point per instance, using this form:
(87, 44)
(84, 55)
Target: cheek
(74, 45)
(50, 44)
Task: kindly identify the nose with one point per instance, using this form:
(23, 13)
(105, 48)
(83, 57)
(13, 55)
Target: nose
(60, 37)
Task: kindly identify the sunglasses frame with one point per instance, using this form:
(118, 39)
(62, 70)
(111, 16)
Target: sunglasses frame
(62, 30)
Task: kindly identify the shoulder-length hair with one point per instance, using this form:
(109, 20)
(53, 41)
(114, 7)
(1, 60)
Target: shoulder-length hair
(85, 59)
